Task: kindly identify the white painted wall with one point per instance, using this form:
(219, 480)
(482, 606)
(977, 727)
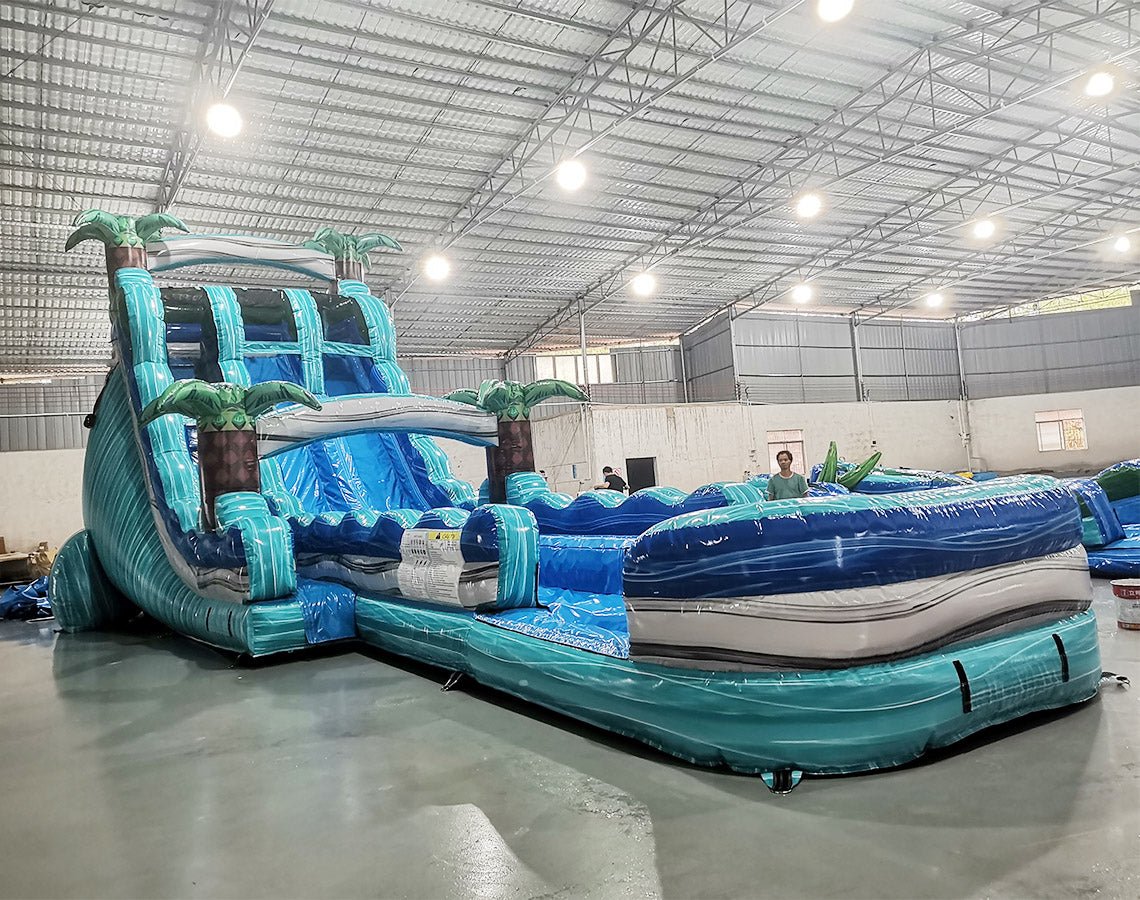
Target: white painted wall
(699, 443)
(560, 450)
(468, 463)
(1005, 433)
(41, 497)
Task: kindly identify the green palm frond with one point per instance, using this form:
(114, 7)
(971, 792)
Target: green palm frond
(543, 389)
(512, 400)
(349, 247)
(186, 397)
(468, 396)
(128, 236)
(264, 396)
(366, 243)
(98, 217)
(331, 240)
(92, 231)
(851, 478)
(500, 396)
(830, 465)
(148, 227)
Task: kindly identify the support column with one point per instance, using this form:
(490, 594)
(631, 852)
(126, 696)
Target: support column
(587, 421)
(684, 374)
(860, 391)
(963, 399)
(735, 355)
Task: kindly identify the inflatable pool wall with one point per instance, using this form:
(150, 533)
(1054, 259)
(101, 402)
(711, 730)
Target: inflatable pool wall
(839, 633)
(1110, 502)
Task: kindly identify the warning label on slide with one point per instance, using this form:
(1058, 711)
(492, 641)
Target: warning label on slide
(431, 565)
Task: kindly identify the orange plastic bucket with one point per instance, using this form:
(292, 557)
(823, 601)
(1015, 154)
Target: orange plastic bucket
(1127, 591)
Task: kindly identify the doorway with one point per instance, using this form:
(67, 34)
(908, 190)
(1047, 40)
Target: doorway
(793, 442)
(641, 472)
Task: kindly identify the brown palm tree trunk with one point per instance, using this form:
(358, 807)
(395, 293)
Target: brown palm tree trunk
(515, 453)
(124, 258)
(349, 269)
(227, 462)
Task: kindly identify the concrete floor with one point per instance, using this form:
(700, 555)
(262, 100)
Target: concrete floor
(144, 765)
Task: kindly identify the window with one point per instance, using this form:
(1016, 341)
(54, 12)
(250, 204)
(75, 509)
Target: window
(1061, 429)
(544, 367)
(600, 367)
(793, 442)
(566, 368)
(1110, 298)
(606, 368)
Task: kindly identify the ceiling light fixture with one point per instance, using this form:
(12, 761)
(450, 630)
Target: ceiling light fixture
(984, 229)
(1122, 244)
(437, 267)
(802, 292)
(833, 10)
(1100, 83)
(643, 284)
(934, 300)
(809, 205)
(224, 120)
(570, 175)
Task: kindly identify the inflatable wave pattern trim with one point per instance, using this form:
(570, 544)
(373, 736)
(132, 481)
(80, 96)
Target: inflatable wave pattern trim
(829, 543)
(614, 513)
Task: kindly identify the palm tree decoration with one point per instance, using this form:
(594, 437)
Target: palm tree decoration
(350, 251)
(227, 441)
(512, 402)
(124, 237)
(851, 478)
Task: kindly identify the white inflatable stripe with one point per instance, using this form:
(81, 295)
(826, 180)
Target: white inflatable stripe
(375, 412)
(859, 624)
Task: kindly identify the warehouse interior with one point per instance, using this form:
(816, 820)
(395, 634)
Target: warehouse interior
(900, 230)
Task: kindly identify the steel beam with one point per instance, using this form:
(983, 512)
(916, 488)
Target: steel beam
(222, 52)
(770, 184)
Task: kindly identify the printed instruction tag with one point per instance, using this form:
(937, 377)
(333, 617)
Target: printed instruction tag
(431, 565)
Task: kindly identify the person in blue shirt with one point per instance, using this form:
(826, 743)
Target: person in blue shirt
(786, 484)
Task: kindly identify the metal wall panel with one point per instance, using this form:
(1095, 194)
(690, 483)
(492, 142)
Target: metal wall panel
(908, 361)
(823, 389)
(521, 368)
(885, 361)
(772, 389)
(758, 360)
(709, 361)
(643, 392)
(794, 359)
(1053, 352)
(46, 416)
(439, 375)
(637, 365)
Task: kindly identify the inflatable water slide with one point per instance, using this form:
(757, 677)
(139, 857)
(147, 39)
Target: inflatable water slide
(260, 478)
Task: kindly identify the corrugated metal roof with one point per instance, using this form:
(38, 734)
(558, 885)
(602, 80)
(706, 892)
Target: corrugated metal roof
(700, 121)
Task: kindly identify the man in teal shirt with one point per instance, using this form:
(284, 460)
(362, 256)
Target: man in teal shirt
(786, 485)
